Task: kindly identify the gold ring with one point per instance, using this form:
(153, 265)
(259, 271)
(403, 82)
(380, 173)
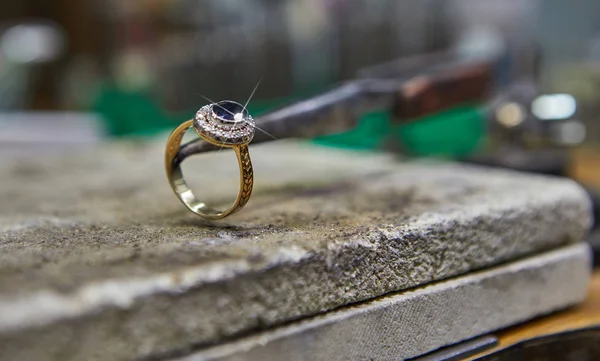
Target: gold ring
(226, 124)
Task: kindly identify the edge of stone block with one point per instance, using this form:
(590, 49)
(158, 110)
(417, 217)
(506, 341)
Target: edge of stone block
(419, 321)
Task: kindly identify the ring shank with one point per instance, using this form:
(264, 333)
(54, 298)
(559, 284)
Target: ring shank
(185, 194)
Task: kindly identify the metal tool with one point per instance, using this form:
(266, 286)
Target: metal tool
(411, 88)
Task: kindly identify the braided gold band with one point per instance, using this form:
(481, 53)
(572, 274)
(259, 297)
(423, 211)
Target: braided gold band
(183, 192)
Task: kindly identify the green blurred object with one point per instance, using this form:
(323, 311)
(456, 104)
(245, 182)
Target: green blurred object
(453, 133)
(130, 113)
(370, 133)
(456, 133)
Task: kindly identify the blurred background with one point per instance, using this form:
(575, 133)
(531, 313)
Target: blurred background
(77, 72)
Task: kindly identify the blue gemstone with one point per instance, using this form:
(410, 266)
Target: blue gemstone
(227, 110)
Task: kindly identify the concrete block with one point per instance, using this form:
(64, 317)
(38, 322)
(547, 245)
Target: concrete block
(100, 260)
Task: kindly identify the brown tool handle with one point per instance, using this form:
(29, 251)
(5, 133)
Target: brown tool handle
(430, 93)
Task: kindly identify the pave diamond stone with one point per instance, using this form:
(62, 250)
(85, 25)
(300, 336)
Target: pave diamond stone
(230, 112)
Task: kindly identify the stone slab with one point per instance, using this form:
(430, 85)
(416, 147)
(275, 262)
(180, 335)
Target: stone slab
(100, 261)
(412, 323)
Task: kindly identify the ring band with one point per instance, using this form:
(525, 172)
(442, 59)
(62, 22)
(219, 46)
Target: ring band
(225, 124)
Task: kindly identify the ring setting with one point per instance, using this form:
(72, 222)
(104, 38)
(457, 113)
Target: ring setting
(224, 123)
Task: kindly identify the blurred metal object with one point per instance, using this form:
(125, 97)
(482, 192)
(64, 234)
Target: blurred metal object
(569, 133)
(510, 114)
(521, 117)
(411, 90)
(530, 131)
(32, 42)
(554, 106)
(22, 47)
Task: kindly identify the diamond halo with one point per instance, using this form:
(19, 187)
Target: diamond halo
(224, 123)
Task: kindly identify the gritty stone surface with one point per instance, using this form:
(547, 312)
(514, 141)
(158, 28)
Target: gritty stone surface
(412, 323)
(100, 260)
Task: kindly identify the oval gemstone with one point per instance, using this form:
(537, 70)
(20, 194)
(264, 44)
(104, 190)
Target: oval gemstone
(229, 111)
